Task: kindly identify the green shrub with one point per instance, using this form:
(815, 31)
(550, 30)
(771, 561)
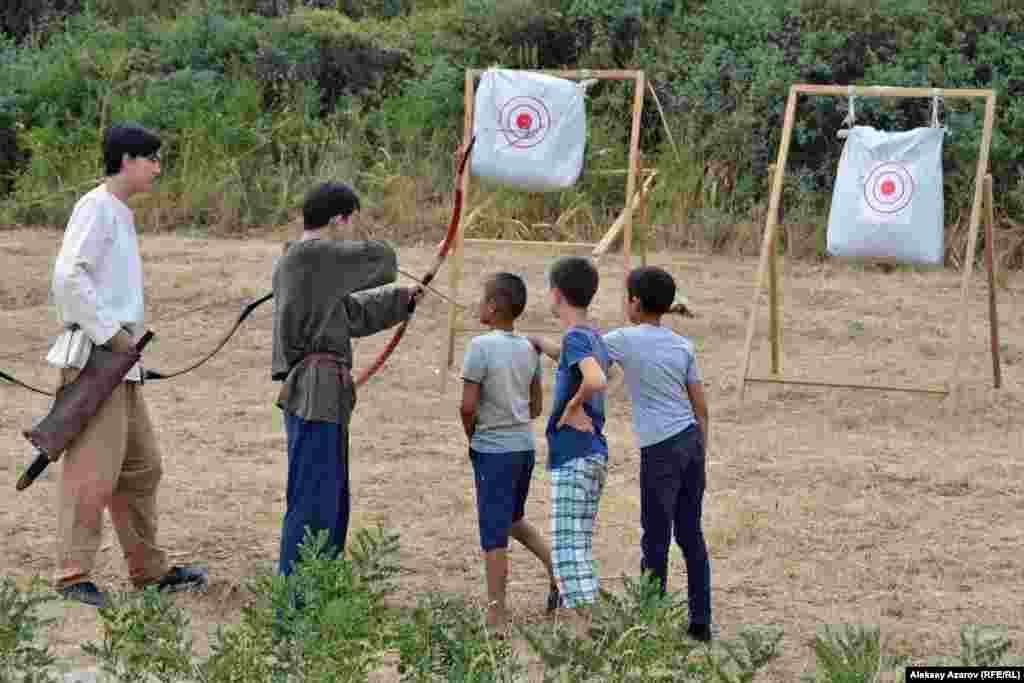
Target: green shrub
(326, 622)
(144, 636)
(985, 645)
(20, 19)
(23, 659)
(855, 654)
(444, 639)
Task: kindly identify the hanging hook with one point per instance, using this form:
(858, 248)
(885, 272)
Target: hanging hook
(936, 101)
(851, 115)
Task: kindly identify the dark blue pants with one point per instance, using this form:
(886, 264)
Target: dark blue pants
(318, 494)
(502, 487)
(672, 478)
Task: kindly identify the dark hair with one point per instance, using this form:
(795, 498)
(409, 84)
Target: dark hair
(508, 291)
(577, 279)
(654, 287)
(130, 139)
(326, 201)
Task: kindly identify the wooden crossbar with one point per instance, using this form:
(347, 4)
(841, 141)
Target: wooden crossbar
(575, 74)
(779, 379)
(504, 244)
(890, 91)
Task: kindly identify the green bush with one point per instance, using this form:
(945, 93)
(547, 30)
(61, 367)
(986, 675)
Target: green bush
(249, 108)
(23, 659)
(444, 639)
(641, 636)
(20, 19)
(326, 622)
(144, 636)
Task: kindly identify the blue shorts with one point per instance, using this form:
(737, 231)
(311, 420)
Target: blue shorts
(502, 485)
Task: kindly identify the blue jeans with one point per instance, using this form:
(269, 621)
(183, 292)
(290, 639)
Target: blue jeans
(318, 487)
(672, 479)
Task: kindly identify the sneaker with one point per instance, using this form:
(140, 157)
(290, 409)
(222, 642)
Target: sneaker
(700, 632)
(86, 593)
(554, 599)
(184, 579)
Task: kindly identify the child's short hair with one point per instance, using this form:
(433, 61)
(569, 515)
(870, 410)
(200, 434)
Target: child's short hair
(508, 292)
(577, 279)
(130, 139)
(326, 201)
(654, 287)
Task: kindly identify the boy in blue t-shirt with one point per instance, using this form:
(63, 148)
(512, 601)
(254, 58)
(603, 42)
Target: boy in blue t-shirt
(501, 396)
(577, 449)
(670, 420)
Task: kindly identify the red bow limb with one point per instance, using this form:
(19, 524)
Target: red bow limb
(442, 253)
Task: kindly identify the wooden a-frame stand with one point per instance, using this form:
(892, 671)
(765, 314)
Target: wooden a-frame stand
(768, 263)
(623, 224)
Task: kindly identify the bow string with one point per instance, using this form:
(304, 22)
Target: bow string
(442, 253)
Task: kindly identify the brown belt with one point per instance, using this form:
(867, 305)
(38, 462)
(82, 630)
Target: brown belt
(327, 359)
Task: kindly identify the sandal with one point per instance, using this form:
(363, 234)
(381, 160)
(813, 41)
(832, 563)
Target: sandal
(554, 600)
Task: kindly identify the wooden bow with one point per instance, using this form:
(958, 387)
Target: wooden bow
(442, 252)
(246, 311)
(17, 382)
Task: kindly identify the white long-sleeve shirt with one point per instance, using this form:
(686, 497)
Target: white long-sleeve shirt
(97, 279)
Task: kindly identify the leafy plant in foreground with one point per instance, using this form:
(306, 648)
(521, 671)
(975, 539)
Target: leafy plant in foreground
(144, 637)
(754, 649)
(851, 654)
(21, 659)
(325, 622)
(982, 645)
(641, 635)
(444, 639)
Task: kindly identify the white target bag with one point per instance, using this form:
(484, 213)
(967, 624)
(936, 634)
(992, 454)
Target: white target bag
(888, 199)
(531, 130)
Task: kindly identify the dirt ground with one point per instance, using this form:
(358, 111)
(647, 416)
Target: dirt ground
(823, 505)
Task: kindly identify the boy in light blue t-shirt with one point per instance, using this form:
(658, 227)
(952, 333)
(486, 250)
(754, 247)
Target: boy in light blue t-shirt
(500, 398)
(670, 420)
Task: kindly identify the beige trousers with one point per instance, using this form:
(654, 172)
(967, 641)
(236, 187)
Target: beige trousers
(115, 464)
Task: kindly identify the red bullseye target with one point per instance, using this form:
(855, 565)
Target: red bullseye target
(889, 187)
(525, 122)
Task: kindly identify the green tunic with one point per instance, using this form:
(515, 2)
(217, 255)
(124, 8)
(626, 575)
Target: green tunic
(319, 305)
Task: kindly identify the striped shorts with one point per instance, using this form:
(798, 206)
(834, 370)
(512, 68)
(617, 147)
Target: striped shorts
(575, 494)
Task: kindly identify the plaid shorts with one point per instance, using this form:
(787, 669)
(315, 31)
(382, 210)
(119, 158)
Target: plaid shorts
(575, 494)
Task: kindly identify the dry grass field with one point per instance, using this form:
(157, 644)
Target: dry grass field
(823, 505)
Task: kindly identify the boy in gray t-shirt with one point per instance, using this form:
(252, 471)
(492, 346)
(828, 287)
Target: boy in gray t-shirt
(500, 398)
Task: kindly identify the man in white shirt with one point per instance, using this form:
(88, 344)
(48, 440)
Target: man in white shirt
(115, 463)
